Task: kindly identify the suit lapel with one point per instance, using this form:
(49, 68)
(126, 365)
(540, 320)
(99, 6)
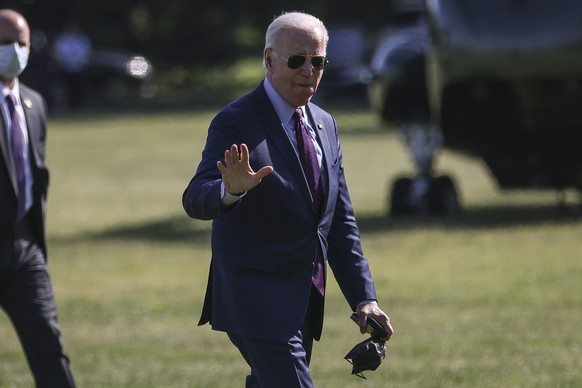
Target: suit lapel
(31, 125)
(276, 133)
(324, 143)
(7, 152)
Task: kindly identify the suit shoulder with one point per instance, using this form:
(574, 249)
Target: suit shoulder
(317, 109)
(248, 99)
(240, 107)
(36, 99)
(30, 93)
(321, 115)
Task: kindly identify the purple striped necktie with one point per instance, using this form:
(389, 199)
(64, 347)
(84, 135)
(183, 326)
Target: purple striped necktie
(308, 157)
(18, 154)
(310, 165)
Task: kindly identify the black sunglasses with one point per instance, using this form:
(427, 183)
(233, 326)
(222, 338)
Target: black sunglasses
(296, 61)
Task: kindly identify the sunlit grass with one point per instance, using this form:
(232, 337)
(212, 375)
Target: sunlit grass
(489, 299)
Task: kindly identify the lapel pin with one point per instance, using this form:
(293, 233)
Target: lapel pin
(319, 125)
(27, 103)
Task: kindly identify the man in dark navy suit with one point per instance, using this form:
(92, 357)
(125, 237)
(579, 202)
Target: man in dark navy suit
(26, 293)
(272, 180)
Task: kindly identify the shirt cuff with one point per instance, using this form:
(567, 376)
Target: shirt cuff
(228, 198)
(371, 301)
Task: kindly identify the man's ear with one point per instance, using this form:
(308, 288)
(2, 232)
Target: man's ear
(268, 58)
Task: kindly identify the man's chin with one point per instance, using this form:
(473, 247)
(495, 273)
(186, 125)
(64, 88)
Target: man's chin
(306, 97)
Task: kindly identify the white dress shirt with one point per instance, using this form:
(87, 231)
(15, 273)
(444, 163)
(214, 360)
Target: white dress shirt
(8, 120)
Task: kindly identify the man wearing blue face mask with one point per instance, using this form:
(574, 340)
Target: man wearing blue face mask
(26, 293)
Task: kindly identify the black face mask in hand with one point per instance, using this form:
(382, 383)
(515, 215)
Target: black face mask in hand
(368, 354)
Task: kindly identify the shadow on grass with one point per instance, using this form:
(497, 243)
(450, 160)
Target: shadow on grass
(485, 217)
(171, 229)
(213, 100)
(184, 230)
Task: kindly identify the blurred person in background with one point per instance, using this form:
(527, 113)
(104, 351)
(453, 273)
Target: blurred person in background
(26, 293)
(279, 217)
(72, 51)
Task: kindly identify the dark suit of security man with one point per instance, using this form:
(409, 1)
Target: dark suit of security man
(26, 293)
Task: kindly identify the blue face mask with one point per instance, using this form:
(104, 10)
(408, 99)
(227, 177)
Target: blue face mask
(13, 60)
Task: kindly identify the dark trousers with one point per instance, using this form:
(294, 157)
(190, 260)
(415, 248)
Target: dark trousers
(26, 294)
(278, 364)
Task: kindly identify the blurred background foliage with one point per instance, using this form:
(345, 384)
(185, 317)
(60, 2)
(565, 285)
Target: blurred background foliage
(183, 32)
(199, 50)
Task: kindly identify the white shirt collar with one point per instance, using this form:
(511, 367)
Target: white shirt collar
(15, 90)
(283, 109)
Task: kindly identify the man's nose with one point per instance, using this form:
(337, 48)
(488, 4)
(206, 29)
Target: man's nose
(307, 68)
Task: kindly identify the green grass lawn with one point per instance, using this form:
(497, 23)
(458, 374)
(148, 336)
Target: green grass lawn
(489, 299)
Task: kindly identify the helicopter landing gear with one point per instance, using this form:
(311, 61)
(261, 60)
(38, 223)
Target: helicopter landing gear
(425, 193)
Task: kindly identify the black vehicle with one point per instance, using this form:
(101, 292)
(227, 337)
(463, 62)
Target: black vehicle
(503, 82)
(119, 72)
(110, 74)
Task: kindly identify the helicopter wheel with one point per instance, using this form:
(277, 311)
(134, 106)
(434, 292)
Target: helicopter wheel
(439, 197)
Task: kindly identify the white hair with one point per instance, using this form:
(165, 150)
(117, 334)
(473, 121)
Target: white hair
(293, 20)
